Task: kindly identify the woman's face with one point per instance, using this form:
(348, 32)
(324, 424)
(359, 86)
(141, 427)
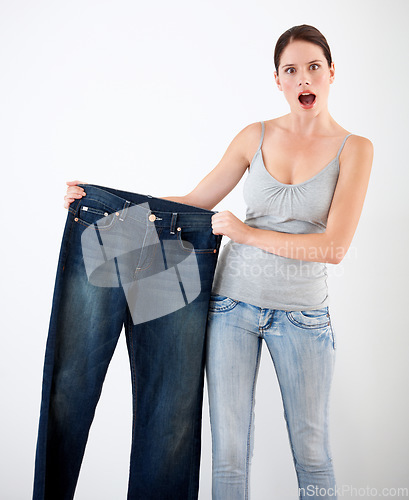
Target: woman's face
(304, 69)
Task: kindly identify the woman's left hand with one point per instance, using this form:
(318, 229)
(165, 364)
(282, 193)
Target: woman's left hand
(229, 225)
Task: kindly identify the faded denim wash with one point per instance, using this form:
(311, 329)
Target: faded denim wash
(302, 347)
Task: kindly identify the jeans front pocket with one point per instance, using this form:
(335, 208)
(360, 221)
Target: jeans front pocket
(196, 239)
(221, 303)
(316, 318)
(90, 211)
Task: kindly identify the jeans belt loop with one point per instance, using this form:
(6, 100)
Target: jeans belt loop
(123, 211)
(173, 222)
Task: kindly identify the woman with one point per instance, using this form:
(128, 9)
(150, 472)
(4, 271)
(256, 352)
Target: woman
(270, 281)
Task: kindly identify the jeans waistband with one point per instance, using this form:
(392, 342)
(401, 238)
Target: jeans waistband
(167, 213)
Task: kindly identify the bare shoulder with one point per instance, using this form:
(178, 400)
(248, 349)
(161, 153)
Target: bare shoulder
(358, 147)
(360, 142)
(251, 133)
(248, 139)
(355, 161)
(246, 142)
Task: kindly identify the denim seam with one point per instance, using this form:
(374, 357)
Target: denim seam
(79, 220)
(195, 225)
(192, 494)
(285, 413)
(231, 303)
(296, 464)
(224, 308)
(195, 250)
(139, 269)
(334, 344)
(66, 248)
(133, 373)
(100, 228)
(64, 257)
(92, 210)
(77, 212)
(86, 198)
(251, 420)
(122, 193)
(303, 326)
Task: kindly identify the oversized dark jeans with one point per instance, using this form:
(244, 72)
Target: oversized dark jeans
(147, 264)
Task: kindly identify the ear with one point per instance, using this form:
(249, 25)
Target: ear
(332, 73)
(277, 79)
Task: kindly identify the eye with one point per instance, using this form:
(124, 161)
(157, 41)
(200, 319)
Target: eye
(288, 70)
(317, 65)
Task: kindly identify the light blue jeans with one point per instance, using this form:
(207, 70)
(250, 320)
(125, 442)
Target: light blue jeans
(302, 347)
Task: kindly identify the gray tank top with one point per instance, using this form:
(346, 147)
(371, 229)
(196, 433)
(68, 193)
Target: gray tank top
(267, 280)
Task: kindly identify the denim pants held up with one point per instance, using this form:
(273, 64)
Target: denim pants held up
(302, 347)
(146, 264)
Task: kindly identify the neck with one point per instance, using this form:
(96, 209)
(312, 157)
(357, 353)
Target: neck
(310, 123)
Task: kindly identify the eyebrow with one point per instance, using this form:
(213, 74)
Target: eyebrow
(315, 60)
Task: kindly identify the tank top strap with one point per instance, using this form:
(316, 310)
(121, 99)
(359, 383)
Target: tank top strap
(342, 145)
(262, 135)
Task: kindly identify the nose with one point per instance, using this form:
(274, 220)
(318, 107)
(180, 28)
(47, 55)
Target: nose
(303, 79)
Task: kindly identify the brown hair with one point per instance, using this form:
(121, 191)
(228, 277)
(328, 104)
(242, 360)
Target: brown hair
(302, 32)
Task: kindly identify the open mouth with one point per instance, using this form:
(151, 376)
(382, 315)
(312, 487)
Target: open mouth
(307, 99)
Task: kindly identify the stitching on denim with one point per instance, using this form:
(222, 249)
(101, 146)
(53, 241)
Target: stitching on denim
(138, 269)
(86, 198)
(251, 420)
(231, 305)
(100, 228)
(296, 463)
(92, 210)
(195, 250)
(334, 343)
(140, 256)
(88, 224)
(302, 325)
(207, 224)
(80, 204)
(285, 415)
(133, 373)
(193, 494)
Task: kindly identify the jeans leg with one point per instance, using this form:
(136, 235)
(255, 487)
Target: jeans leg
(232, 363)
(167, 360)
(302, 347)
(84, 328)
(95, 292)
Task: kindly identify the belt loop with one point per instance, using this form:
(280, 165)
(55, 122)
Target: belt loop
(173, 222)
(123, 211)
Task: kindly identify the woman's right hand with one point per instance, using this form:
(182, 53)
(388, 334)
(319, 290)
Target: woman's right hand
(73, 192)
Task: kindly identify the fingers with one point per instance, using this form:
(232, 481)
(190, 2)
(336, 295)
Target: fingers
(73, 183)
(67, 201)
(73, 192)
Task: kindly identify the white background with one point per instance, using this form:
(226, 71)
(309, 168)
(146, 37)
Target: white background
(146, 97)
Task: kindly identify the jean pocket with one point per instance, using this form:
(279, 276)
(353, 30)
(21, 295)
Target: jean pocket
(194, 239)
(92, 211)
(316, 318)
(221, 303)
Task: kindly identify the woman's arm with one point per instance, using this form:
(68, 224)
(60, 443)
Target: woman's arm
(343, 217)
(217, 184)
(226, 174)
